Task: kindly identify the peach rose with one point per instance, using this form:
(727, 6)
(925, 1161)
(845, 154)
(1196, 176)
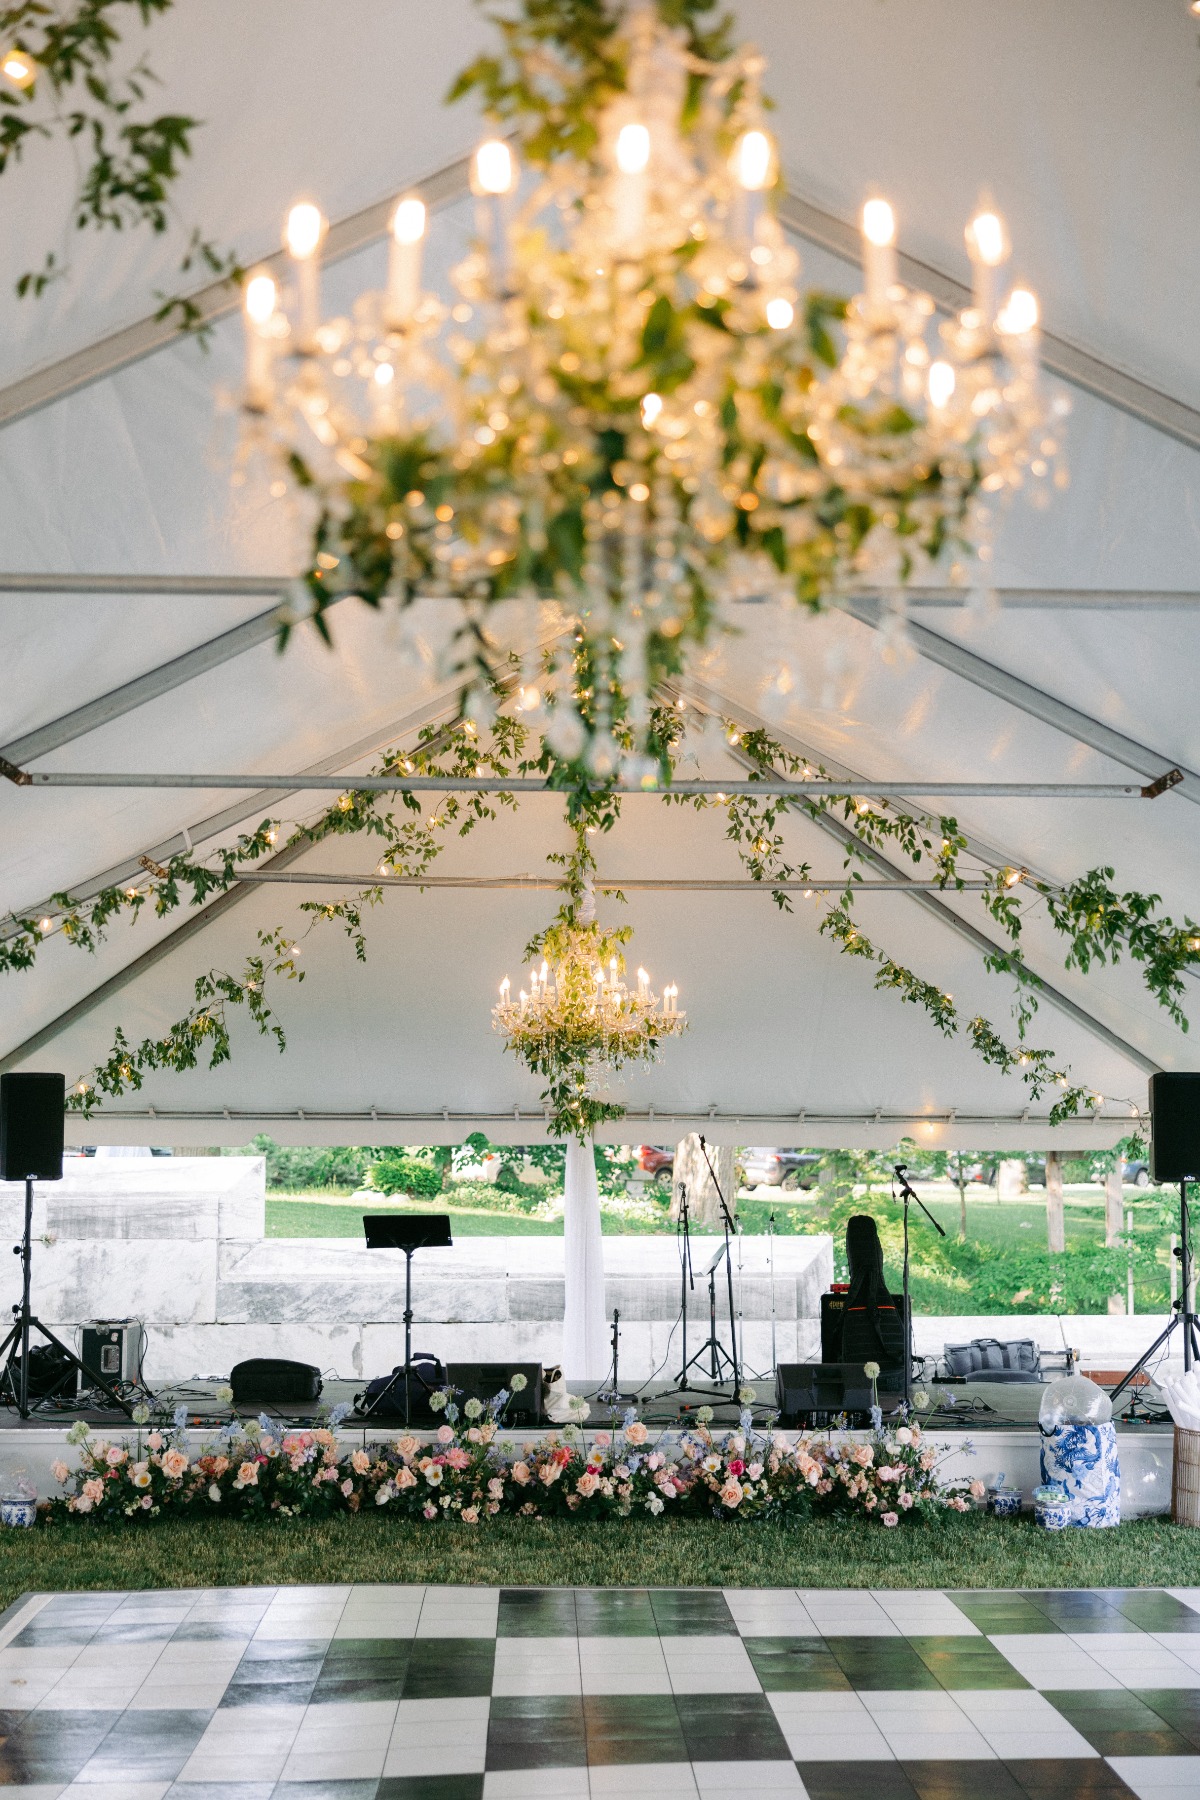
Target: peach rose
(247, 1475)
(360, 1462)
(636, 1433)
(520, 1473)
(587, 1484)
(731, 1493)
(93, 1490)
(174, 1463)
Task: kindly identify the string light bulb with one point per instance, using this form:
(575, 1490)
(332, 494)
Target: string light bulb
(1020, 314)
(260, 297)
(633, 149)
(303, 230)
(19, 68)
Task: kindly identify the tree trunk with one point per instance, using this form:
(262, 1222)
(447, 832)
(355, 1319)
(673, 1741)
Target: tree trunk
(1056, 1231)
(1012, 1179)
(961, 1179)
(1114, 1194)
(690, 1167)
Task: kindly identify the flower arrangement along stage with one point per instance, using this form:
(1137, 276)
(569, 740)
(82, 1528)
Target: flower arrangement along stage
(464, 1473)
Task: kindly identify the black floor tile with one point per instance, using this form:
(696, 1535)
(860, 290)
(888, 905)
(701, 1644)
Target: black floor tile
(1119, 1724)
(966, 1780)
(730, 1728)
(449, 1668)
(427, 1787)
(222, 1790)
(79, 1631)
(541, 1731)
(874, 1663)
(52, 1746)
(1178, 1707)
(366, 1653)
(966, 1663)
(633, 1728)
(326, 1790)
(1078, 1609)
(148, 1746)
(135, 1631)
(199, 1630)
(678, 1613)
(614, 1612)
(277, 1693)
(375, 1686)
(853, 1780)
(536, 1612)
(1066, 1778)
(1153, 1609)
(795, 1665)
(994, 1613)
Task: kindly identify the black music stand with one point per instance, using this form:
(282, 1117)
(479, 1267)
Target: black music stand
(410, 1233)
(907, 1194)
(712, 1346)
(1182, 1317)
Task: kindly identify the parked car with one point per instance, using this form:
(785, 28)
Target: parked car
(1137, 1174)
(788, 1169)
(657, 1162)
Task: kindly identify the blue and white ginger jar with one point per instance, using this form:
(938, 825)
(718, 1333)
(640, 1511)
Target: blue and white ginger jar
(1083, 1461)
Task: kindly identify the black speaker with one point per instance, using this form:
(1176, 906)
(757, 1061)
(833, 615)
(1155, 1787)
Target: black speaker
(815, 1393)
(1174, 1126)
(274, 1381)
(480, 1381)
(32, 1116)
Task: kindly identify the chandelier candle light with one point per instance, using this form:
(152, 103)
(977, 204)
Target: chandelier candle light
(628, 408)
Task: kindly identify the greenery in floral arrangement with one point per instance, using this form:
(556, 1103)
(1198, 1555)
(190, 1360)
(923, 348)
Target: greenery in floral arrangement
(63, 84)
(463, 1473)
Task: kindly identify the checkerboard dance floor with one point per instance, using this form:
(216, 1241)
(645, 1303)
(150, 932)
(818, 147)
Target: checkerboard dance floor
(453, 1693)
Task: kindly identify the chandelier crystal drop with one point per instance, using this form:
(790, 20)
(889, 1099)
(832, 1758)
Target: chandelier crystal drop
(629, 408)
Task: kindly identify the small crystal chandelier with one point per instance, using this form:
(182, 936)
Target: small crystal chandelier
(578, 1022)
(629, 409)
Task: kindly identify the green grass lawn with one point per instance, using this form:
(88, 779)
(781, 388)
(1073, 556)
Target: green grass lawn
(960, 1552)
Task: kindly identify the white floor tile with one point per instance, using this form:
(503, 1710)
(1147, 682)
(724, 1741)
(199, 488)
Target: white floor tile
(1159, 1777)
(535, 1784)
(1013, 1743)
(717, 1780)
(821, 1708)
(20, 1619)
(642, 1781)
(939, 1746)
(341, 1762)
(111, 1790)
(1188, 1596)
(433, 1737)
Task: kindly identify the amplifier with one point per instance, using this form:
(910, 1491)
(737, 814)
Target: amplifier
(833, 1312)
(816, 1393)
(112, 1349)
(275, 1381)
(479, 1381)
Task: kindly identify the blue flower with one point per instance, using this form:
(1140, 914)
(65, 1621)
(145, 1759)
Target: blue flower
(338, 1413)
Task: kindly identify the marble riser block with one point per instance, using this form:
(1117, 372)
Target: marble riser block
(158, 1283)
(312, 1301)
(154, 1197)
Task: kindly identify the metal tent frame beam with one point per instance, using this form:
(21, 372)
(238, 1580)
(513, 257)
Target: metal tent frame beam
(1034, 701)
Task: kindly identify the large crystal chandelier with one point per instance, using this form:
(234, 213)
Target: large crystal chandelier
(629, 408)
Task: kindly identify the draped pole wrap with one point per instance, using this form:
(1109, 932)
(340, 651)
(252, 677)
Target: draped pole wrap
(585, 1340)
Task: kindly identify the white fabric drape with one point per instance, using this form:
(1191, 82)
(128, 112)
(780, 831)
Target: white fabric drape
(585, 1340)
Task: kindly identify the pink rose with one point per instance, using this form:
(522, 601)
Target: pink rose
(474, 1435)
(905, 1499)
(666, 1487)
(977, 1490)
(114, 1456)
(429, 1512)
(59, 1470)
(147, 1500)
(731, 1493)
(603, 1439)
(93, 1490)
(155, 1440)
(889, 1519)
(754, 1471)
(445, 1434)
(404, 1478)
(496, 1488)
(736, 1466)
(655, 1460)
(82, 1503)
(636, 1433)
(347, 1487)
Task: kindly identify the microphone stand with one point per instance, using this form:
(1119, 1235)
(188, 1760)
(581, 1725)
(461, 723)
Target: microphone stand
(687, 1279)
(907, 1194)
(727, 1220)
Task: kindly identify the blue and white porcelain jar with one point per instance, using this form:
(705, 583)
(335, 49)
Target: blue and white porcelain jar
(1051, 1507)
(18, 1509)
(1083, 1461)
(1003, 1502)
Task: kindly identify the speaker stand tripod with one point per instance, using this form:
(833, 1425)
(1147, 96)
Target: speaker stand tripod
(1182, 1316)
(14, 1380)
(712, 1347)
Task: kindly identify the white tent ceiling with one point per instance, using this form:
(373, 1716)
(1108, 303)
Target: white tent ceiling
(1084, 122)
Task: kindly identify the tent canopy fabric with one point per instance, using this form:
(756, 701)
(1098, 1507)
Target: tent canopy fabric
(117, 456)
